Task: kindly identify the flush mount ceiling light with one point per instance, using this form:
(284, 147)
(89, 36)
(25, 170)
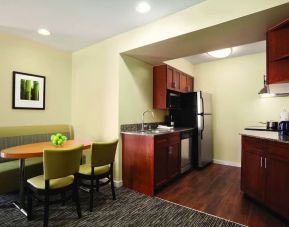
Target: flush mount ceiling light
(43, 31)
(221, 53)
(143, 7)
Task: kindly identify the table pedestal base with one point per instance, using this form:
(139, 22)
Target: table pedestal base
(20, 208)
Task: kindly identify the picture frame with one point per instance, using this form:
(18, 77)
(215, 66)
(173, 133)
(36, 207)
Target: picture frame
(28, 91)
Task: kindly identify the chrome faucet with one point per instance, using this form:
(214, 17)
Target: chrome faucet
(142, 124)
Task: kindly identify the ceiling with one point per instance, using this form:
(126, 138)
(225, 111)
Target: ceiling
(241, 31)
(237, 51)
(75, 24)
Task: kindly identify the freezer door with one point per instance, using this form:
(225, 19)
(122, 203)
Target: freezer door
(205, 140)
(204, 103)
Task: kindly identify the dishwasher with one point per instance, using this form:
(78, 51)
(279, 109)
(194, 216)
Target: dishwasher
(186, 150)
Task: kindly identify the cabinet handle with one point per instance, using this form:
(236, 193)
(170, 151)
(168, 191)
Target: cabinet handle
(170, 149)
(261, 162)
(265, 163)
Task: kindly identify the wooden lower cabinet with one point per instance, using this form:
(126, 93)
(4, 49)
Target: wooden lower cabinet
(150, 162)
(173, 161)
(255, 183)
(160, 161)
(277, 178)
(265, 173)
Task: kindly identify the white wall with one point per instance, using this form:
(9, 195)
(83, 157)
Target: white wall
(234, 84)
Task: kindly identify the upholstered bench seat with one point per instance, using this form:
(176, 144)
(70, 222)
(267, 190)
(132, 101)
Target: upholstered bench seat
(9, 173)
(20, 135)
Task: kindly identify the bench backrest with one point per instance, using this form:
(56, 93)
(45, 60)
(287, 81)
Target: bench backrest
(20, 135)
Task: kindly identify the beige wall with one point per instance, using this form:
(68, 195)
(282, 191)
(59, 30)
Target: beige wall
(234, 84)
(136, 92)
(17, 54)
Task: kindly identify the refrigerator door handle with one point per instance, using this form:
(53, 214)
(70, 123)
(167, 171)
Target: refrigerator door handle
(202, 100)
(203, 122)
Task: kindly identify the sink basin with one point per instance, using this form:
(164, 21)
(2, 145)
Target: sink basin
(155, 131)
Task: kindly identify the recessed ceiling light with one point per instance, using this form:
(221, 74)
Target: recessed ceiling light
(43, 31)
(143, 7)
(221, 53)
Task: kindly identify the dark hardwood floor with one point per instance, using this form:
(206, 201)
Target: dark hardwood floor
(216, 190)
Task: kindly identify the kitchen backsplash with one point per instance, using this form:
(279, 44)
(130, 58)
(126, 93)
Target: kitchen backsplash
(136, 127)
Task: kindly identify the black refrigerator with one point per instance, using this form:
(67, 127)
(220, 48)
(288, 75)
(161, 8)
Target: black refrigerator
(196, 111)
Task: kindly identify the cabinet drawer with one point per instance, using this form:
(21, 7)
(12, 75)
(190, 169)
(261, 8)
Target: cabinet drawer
(253, 144)
(278, 150)
(161, 140)
(174, 138)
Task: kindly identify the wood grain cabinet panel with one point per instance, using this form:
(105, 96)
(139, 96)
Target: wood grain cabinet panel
(165, 79)
(265, 173)
(278, 53)
(149, 162)
(254, 180)
(160, 160)
(183, 83)
(277, 185)
(170, 78)
(176, 80)
(190, 83)
(173, 161)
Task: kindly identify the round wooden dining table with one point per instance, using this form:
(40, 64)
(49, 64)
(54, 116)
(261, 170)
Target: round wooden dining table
(31, 151)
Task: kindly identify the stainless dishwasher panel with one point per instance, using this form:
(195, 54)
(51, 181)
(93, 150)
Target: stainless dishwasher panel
(186, 154)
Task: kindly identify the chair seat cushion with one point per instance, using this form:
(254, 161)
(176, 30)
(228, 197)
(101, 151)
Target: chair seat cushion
(39, 182)
(86, 169)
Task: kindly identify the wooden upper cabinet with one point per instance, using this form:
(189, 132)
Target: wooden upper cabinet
(169, 78)
(190, 84)
(176, 80)
(183, 82)
(278, 53)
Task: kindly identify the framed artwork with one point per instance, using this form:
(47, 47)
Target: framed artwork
(28, 91)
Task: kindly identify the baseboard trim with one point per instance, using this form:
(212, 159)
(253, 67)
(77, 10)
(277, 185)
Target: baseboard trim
(117, 183)
(227, 163)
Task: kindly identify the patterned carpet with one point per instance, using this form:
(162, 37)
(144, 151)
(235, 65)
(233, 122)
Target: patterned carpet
(130, 209)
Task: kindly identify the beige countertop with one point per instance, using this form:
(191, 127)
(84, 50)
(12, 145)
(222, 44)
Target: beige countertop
(274, 136)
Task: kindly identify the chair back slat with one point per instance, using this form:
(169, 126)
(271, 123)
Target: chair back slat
(59, 163)
(103, 153)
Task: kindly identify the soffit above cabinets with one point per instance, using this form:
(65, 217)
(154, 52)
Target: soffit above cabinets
(234, 33)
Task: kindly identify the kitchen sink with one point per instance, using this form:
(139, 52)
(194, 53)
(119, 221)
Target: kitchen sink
(155, 131)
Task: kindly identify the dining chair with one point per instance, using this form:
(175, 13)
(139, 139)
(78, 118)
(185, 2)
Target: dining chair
(100, 167)
(60, 168)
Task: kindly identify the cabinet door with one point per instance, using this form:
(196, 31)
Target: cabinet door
(183, 83)
(278, 53)
(173, 161)
(176, 80)
(277, 179)
(253, 175)
(190, 83)
(170, 73)
(161, 161)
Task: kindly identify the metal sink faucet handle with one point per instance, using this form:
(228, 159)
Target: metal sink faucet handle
(142, 124)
